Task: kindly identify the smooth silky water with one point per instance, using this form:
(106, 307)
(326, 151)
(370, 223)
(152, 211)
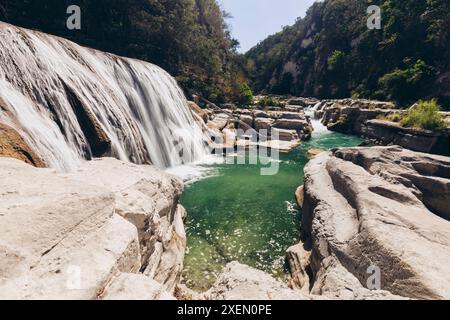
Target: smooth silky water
(236, 214)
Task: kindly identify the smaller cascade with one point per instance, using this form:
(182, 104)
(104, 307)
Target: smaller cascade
(315, 121)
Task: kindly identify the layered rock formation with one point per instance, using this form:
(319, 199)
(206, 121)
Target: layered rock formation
(109, 230)
(375, 209)
(360, 117)
(285, 128)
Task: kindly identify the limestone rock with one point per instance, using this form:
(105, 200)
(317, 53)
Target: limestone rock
(360, 117)
(14, 146)
(335, 282)
(299, 263)
(202, 114)
(240, 282)
(264, 123)
(312, 153)
(67, 236)
(130, 286)
(260, 114)
(291, 124)
(380, 207)
(220, 121)
(59, 239)
(300, 195)
(285, 135)
(148, 198)
(248, 120)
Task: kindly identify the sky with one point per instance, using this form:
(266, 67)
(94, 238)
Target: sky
(255, 20)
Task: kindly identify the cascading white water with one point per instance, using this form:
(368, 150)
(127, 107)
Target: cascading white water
(61, 97)
(316, 123)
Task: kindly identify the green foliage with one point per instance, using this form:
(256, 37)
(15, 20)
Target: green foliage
(393, 117)
(336, 55)
(336, 60)
(424, 115)
(245, 95)
(406, 85)
(269, 102)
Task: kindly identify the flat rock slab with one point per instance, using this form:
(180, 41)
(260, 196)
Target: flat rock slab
(59, 239)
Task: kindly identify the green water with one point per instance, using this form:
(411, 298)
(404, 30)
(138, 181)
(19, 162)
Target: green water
(238, 214)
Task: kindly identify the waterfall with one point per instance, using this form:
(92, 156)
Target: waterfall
(71, 103)
(316, 123)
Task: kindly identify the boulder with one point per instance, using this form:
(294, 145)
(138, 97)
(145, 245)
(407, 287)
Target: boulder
(220, 121)
(292, 115)
(312, 153)
(14, 146)
(131, 286)
(67, 236)
(300, 195)
(285, 135)
(380, 209)
(264, 123)
(229, 138)
(299, 263)
(59, 239)
(148, 198)
(241, 282)
(260, 114)
(248, 120)
(294, 108)
(202, 114)
(291, 124)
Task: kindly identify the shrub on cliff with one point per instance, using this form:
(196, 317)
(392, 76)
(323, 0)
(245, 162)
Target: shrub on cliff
(245, 95)
(425, 115)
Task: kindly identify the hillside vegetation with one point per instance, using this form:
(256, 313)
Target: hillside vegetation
(331, 53)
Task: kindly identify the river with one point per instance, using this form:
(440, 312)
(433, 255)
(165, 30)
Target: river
(237, 214)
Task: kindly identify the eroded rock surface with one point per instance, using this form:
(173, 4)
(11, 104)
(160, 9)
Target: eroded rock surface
(71, 236)
(241, 282)
(380, 207)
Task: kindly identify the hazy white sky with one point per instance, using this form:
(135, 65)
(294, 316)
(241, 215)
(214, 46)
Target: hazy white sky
(254, 20)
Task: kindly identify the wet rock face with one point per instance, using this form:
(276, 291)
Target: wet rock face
(12, 145)
(90, 234)
(383, 208)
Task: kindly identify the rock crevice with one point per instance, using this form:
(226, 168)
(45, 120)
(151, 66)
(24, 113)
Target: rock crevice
(365, 208)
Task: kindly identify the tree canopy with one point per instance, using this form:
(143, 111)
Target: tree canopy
(331, 53)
